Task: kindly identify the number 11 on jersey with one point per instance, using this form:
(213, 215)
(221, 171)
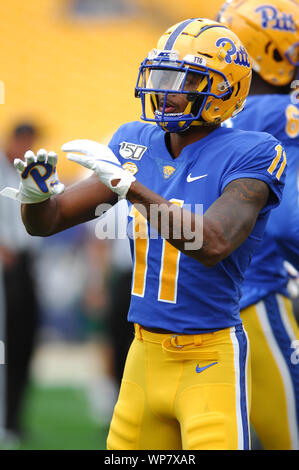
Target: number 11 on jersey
(170, 258)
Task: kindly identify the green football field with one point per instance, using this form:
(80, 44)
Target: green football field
(59, 418)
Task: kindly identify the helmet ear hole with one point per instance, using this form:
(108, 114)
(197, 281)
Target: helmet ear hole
(277, 56)
(238, 88)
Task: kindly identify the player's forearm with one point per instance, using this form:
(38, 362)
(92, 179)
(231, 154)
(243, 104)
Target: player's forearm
(76, 205)
(39, 218)
(190, 233)
(221, 230)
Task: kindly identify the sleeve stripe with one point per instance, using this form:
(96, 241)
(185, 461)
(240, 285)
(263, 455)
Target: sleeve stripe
(282, 167)
(275, 162)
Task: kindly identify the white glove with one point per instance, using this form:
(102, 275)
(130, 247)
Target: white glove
(100, 159)
(293, 284)
(39, 178)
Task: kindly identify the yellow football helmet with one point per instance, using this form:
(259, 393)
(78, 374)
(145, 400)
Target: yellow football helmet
(270, 33)
(205, 61)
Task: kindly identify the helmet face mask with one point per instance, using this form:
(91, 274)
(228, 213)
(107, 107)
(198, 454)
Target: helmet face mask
(270, 33)
(203, 67)
(292, 54)
(163, 79)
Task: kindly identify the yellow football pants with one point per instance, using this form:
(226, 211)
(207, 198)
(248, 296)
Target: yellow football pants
(186, 392)
(272, 331)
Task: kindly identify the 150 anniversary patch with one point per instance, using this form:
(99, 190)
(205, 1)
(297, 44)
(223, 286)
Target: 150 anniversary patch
(131, 151)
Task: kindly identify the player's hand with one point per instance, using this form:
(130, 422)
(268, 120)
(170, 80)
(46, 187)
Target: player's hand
(293, 284)
(38, 176)
(100, 159)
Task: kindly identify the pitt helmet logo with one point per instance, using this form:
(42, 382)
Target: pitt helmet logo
(273, 19)
(168, 171)
(230, 53)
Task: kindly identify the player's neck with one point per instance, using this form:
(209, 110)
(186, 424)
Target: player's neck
(260, 87)
(177, 141)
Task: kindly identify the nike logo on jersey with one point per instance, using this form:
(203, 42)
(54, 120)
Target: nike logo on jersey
(190, 178)
(200, 369)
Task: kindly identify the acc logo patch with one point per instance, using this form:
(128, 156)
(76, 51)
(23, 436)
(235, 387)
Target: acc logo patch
(230, 53)
(131, 151)
(131, 167)
(273, 19)
(168, 170)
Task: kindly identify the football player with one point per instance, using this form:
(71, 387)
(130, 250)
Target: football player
(186, 381)
(270, 33)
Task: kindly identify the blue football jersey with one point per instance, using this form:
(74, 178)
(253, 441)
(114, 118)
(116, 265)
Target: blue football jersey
(169, 289)
(278, 115)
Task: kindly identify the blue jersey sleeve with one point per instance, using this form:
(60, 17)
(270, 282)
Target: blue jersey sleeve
(265, 161)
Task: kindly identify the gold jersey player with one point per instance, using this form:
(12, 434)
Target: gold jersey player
(186, 381)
